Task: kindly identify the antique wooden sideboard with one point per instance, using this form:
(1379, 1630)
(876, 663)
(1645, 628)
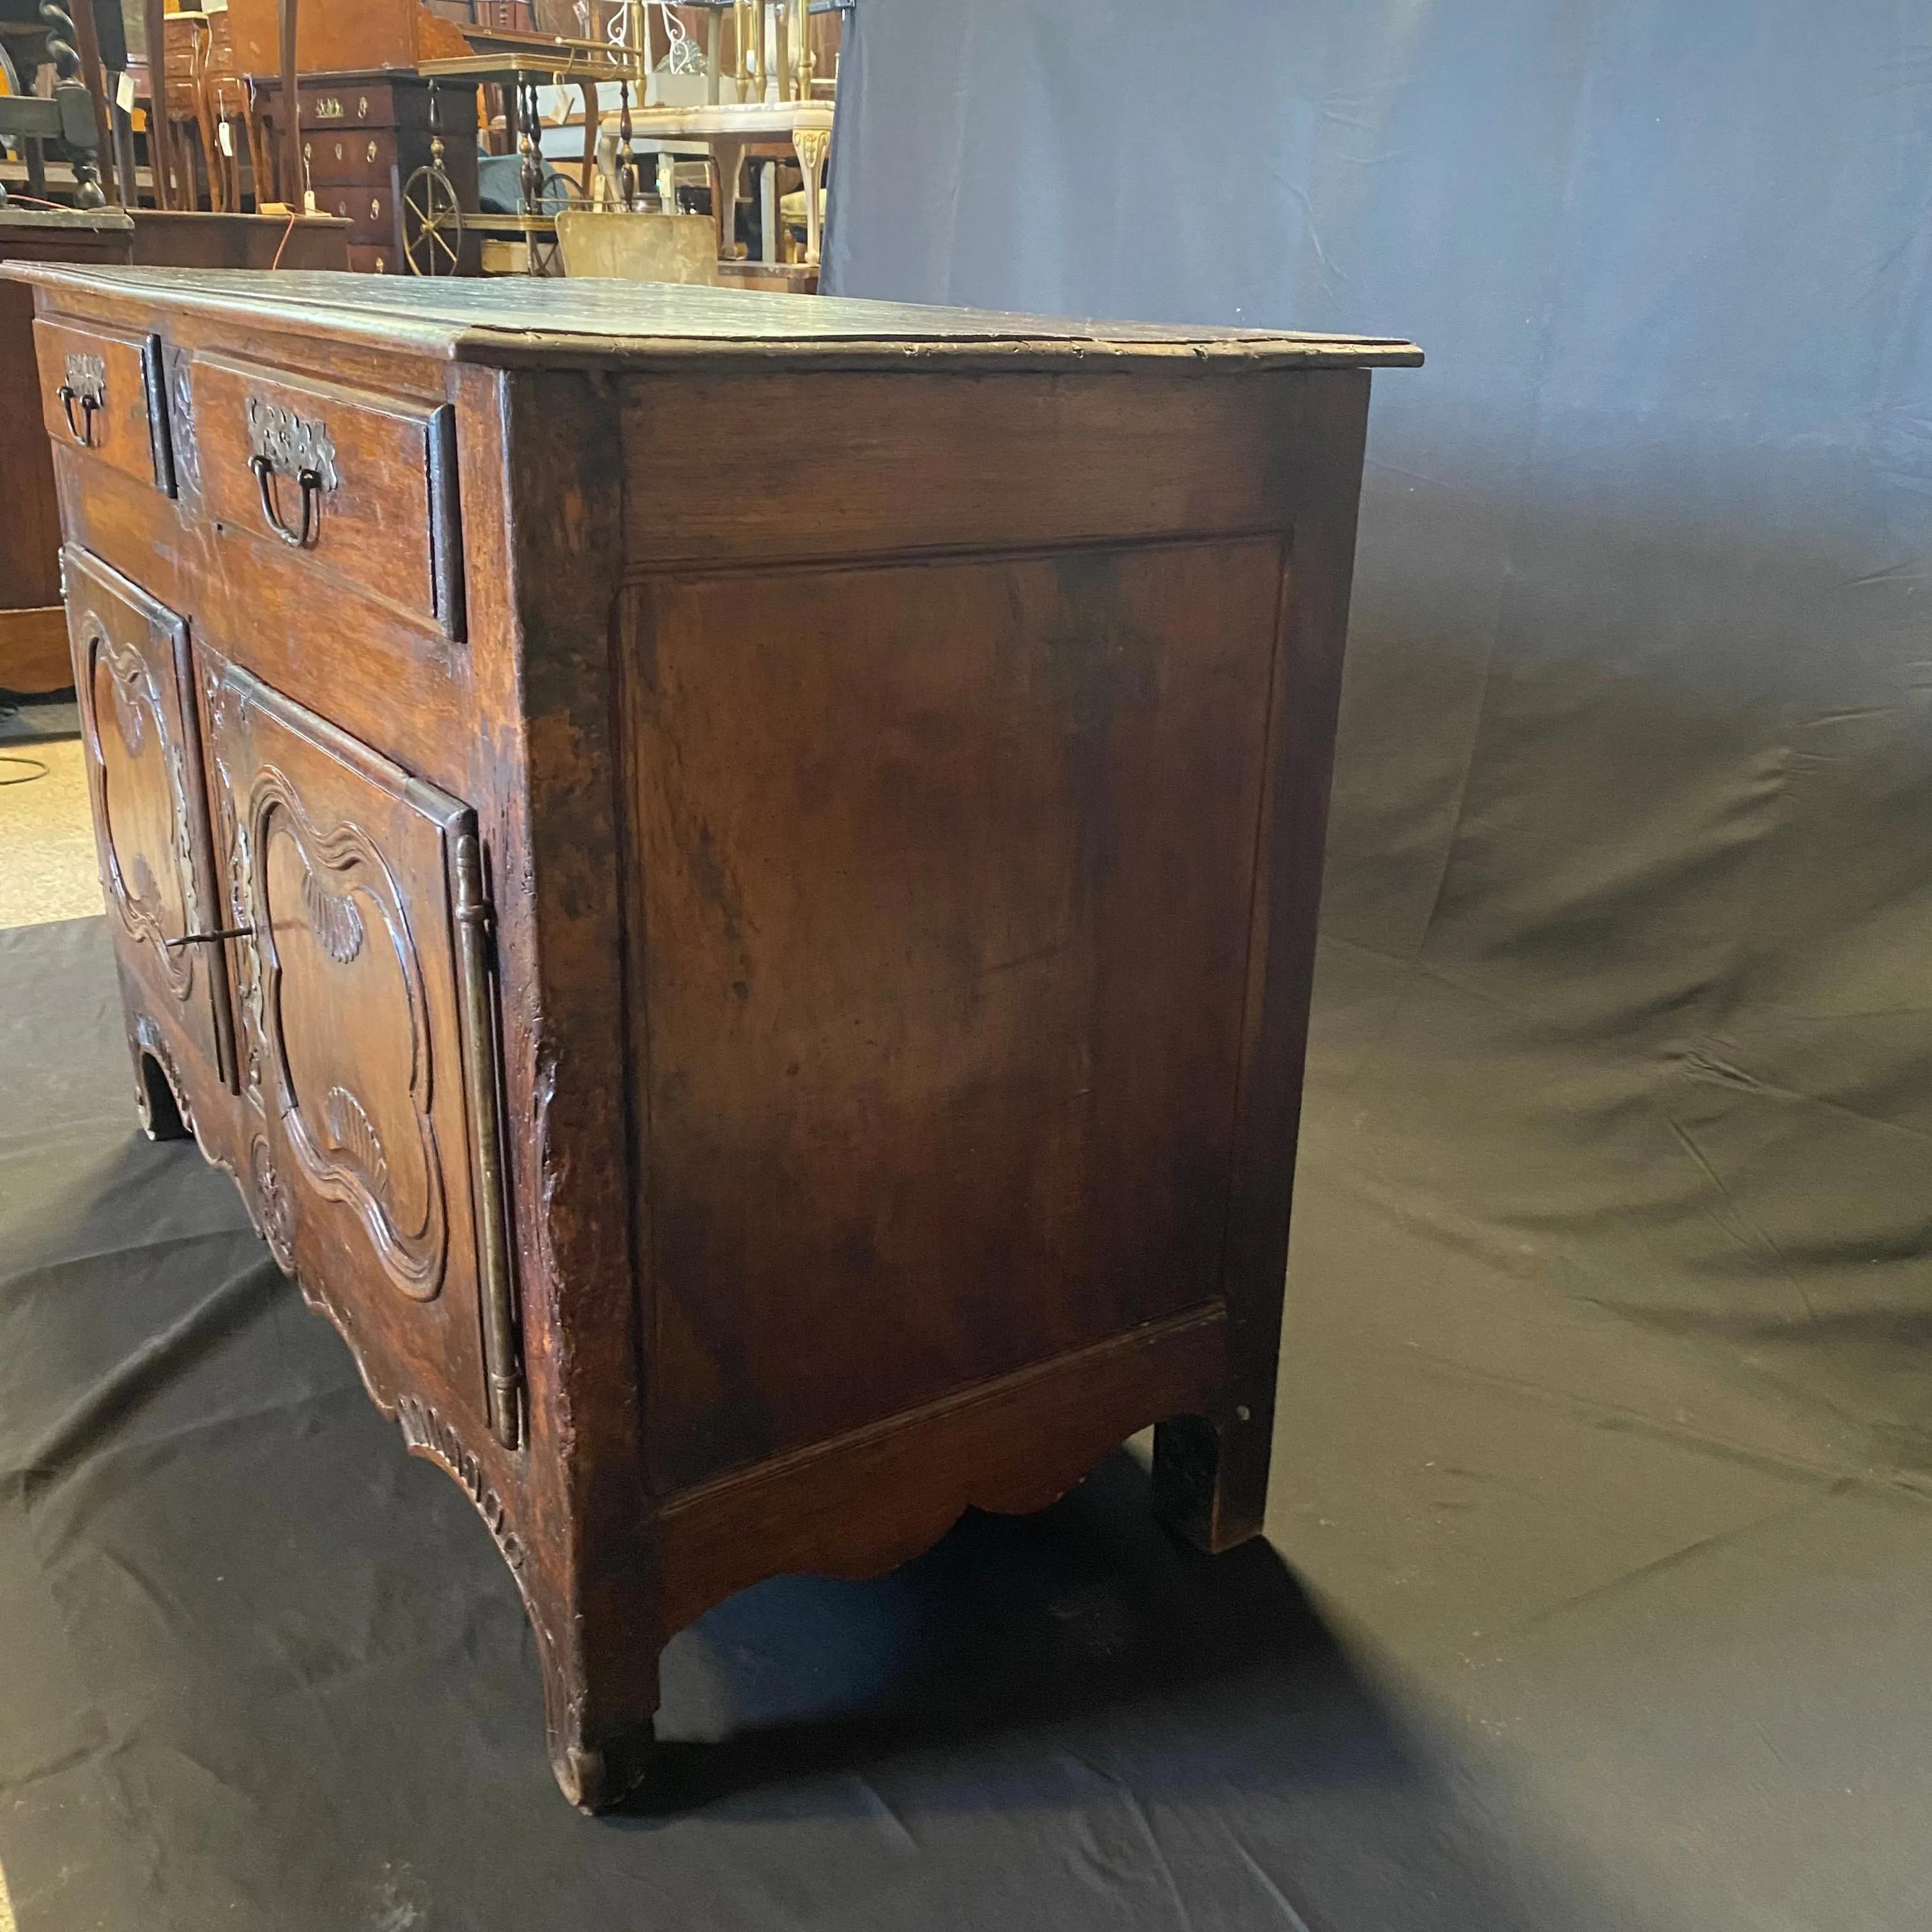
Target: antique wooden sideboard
(733, 877)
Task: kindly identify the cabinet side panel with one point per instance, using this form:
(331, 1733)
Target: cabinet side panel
(758, 467)
(946, 871)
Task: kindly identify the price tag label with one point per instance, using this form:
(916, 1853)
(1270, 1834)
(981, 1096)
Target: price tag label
(124, 92)
(224, 136)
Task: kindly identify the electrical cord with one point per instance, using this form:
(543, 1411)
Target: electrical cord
(39, 770)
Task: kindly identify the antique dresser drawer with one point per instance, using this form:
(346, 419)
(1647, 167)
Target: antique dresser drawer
(352, 156)
(369, 208)
(329, 107)
(354, 487)
(102, 392)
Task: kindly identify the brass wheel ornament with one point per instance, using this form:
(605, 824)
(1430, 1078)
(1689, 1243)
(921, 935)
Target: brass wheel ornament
(432, 215)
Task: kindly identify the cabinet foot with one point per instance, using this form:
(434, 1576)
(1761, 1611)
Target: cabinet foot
(598, 1723)
(1210, 1484)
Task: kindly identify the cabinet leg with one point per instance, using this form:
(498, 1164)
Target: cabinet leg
(598, 1720)
(1210, 1485)
(154, 1100)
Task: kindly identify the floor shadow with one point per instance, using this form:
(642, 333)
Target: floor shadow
(1050, 1670)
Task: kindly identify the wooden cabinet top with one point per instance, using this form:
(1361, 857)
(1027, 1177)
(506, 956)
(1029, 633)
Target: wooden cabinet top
(522, 320)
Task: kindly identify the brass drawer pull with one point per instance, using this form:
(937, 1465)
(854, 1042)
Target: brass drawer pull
(86, 384)
(288, 445)
(311, 481)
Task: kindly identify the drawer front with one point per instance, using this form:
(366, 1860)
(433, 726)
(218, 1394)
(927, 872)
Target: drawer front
(353, 155)
(101, 392)
(354, 105)
(370, 208)
(366, 261)
(141, 737)
(370, 1115)
(357, 104)
(356, 487)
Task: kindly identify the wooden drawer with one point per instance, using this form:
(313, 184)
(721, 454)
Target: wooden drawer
(354, 103)
(369, 209)
(348, 157)
(351, 486)
(363, 260)
(142, 743)
(102, 392)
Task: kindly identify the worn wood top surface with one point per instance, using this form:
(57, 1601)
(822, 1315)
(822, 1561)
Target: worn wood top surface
(520, 318)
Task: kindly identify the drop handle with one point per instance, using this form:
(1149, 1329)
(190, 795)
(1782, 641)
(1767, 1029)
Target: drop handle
(81, 432)
(310, 481)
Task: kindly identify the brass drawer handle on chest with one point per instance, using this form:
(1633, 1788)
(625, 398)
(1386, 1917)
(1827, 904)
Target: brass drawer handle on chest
(283, 443)
(86, 384)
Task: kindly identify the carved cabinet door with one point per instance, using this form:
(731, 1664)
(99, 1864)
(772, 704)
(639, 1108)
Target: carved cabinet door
(135, 683)
(371, 1132)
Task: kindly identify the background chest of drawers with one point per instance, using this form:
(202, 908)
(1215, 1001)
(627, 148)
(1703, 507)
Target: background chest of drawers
(363, 135)
(768, 1011)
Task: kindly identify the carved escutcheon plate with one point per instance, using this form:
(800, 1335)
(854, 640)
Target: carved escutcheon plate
(291, 445)
(87, 377)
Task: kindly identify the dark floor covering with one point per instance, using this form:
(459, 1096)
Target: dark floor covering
(1582, 1605)
(27, 717)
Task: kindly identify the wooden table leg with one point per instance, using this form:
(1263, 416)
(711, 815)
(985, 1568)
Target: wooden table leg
(161, 144)
(590, 126)
(727, 158)
(812, 144)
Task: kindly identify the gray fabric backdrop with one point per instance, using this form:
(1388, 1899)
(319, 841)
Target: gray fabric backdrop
(1629, 908)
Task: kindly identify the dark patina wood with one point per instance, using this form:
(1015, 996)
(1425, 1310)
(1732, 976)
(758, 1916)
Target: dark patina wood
(742, 895)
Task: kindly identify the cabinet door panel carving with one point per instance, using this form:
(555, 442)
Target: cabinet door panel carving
(365, 1058)
(141, 735)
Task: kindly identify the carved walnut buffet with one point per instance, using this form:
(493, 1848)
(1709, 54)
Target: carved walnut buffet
(733, 877)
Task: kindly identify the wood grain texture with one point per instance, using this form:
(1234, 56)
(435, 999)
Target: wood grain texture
(116, 431)
(195, 238)
(372, 518)
(842, 1507)
(33, 650)
(132, 678)
(30, 531)
(357, 34)
(520, 321)
(728, 468)
(859, 849)
(1219, 1499)
(946, 869)
(352, 1066)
